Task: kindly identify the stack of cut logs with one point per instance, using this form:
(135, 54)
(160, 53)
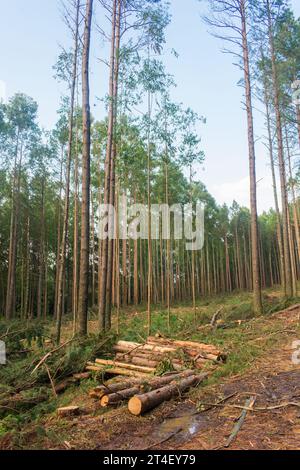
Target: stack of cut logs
(141, 361)
(135, 359)
(145, 394)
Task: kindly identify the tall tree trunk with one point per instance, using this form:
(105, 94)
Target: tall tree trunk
(257, 299)
(107, 183)
(294, 199)
(76, 224)
(110, 256)
(12, 254)
(41, 268)
(63, 248)
(270, 144)
(86, 176)
(276, 92)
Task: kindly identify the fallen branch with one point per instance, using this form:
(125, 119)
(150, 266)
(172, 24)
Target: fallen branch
(258, 409)
(212, 405)
(51, 380)
(261, 338)
(50, 354)
(215, 318)
(237, 427)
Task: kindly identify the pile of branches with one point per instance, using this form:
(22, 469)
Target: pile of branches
(30, 379)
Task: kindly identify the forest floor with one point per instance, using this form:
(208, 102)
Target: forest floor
(259, 364)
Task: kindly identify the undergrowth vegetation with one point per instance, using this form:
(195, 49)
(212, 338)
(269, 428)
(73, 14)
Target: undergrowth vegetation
(27, 396)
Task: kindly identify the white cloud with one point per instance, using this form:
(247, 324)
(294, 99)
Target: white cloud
(2, 91)
(240, 191)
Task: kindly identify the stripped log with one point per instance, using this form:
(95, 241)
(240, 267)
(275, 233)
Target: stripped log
(139, 361)
(153, 384)
(148, 355)
(123, 346)
(116, 371)
(145, 361)
(124, 365)
(140, 404)
(209, 348)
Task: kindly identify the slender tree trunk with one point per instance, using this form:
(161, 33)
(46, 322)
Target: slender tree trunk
(85, 206)
(63, 248)
(270, 143)
(41, 254)
(108, 173)
(76, 224)
(12, 254)
(257, 299)
(292, 184)
(110, 256)
(287, 256)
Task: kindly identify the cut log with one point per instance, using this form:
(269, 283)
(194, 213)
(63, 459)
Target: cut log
(144, 360)
(153, 384)
(124, 365)
(115, 398)
(184, 344)
(139, 361)
(147, 355)
(140, 404)
(124, 346)
(116, 371)
(68, 411)
(106, 389)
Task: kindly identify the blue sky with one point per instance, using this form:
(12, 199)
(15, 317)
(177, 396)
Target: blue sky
(32, 31)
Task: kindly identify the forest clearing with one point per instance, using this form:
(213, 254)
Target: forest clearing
(252, 345)
(150, 226)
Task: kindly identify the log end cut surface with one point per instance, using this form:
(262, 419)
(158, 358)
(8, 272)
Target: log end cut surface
(135, 406)
(104, 401)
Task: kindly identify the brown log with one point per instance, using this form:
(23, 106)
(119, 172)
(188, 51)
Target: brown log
(68, 411)
(124, 365)
(153, 384)
(106, 389)
(140, 404)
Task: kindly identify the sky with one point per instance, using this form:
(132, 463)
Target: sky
(32, 32)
